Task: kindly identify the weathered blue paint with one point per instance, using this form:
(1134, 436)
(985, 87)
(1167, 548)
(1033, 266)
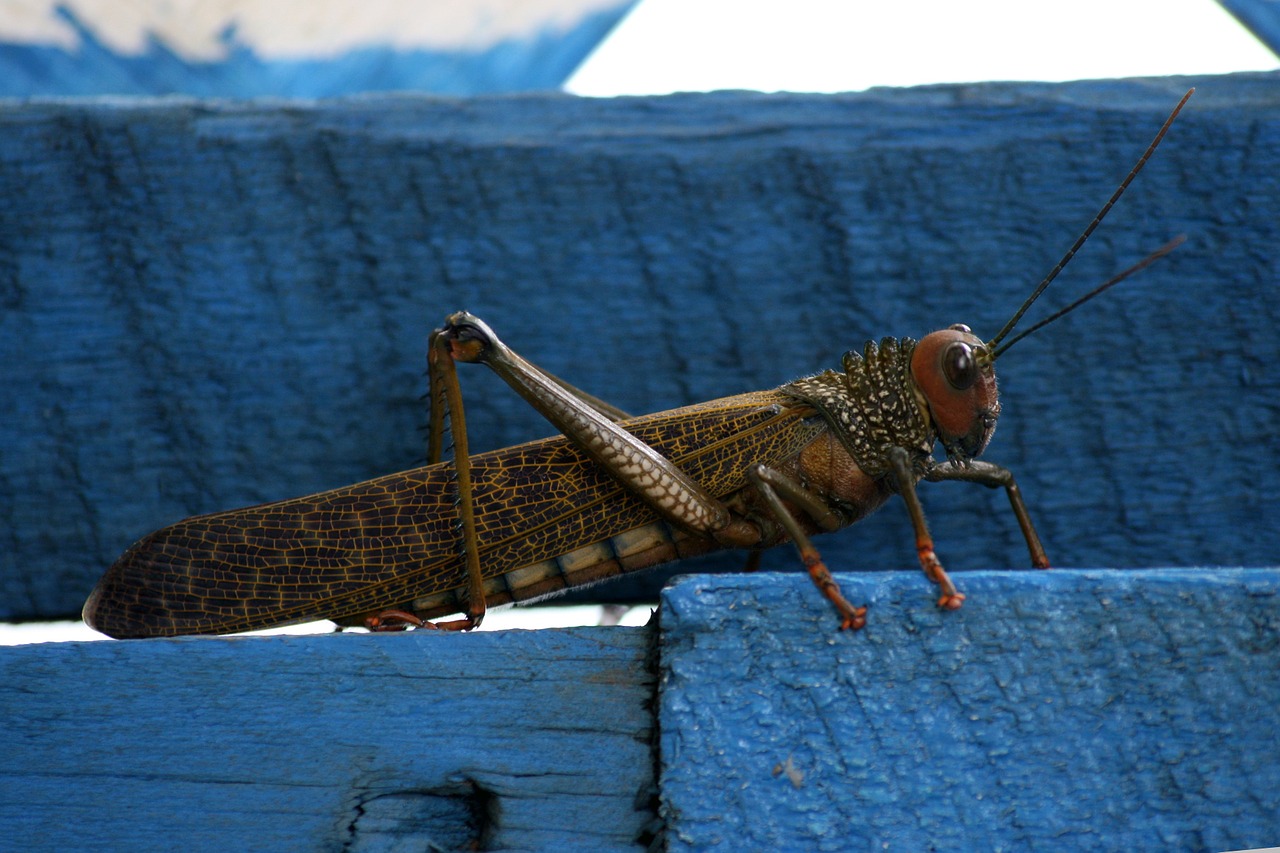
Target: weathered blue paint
(542, 59)
(207, 305)
(1090, 710)
(531, 740)
(1060, 710)
(1261, 17)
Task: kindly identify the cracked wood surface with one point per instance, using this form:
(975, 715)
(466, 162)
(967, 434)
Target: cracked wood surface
(335, 742)
(1058, 710)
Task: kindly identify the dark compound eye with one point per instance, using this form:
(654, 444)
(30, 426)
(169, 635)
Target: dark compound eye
(959, 366)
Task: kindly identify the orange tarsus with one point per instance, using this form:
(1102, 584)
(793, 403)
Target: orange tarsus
(394, 620)
(402, 620)
(851, 618)
(951, 598)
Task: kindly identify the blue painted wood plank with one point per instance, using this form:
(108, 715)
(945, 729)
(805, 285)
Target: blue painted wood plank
(1261, 17)
(1056, 710)
(1063, 710)
(208, 305)
(269, 49)
(509, 740)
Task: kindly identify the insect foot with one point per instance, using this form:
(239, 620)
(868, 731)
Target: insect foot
(851, 618)
(394, 620)
(951, 598)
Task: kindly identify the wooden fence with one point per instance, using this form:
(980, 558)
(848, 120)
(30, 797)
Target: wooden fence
(213, 304)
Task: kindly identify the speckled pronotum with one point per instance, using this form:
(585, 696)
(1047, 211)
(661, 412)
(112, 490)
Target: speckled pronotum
(612, 494)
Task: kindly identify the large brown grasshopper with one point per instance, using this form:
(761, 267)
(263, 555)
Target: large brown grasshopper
(612, 494)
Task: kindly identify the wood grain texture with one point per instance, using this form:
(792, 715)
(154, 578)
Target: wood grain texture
(211, 305)
(521, 739)
(1056, 711)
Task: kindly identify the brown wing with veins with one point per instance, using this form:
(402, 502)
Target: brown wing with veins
(394, 539)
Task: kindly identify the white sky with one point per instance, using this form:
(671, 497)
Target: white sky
(667, 46)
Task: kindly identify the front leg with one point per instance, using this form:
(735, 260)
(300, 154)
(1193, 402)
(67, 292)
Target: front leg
(773, 486)
(900, 461)
(996, 476)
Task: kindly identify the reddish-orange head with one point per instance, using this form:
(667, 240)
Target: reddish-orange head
(955, 372)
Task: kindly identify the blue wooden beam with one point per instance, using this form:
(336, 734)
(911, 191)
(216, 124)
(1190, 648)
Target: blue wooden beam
(208, 305)
(516, 740)
(1261, 17)
(457, 49)
(1063, 710)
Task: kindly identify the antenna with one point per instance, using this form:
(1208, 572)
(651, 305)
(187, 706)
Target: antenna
(1114, 280)
(1106, 208)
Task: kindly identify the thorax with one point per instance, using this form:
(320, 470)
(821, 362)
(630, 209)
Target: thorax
(873, 405)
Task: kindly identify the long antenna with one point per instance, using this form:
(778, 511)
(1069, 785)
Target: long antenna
(1114, 280)
(1106, 208)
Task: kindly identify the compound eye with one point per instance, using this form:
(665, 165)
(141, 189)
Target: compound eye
(959, 365)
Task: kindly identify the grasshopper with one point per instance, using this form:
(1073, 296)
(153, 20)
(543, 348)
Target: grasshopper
(611, 494)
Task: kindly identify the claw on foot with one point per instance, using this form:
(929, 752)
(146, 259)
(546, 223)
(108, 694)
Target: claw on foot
(951, 601)
(851, 618)
(854, 620)
(394, 620)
